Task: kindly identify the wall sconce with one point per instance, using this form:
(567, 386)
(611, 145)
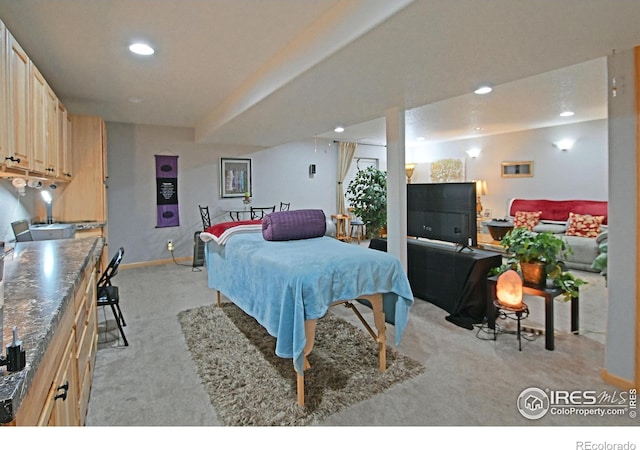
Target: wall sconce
(481, 189)
(473, 152)
(564, 144)
(408, 170)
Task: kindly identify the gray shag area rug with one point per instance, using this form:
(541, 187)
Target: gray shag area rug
(250, 386)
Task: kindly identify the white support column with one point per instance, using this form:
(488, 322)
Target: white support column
(396, 186)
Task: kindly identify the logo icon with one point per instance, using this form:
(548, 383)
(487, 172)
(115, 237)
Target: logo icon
(533, 403)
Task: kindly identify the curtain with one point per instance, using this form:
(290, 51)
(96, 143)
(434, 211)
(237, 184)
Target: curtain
(346, 150)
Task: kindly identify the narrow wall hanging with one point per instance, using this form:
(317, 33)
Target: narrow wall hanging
(167, 191)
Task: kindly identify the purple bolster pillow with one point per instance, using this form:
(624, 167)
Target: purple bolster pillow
(296, 224)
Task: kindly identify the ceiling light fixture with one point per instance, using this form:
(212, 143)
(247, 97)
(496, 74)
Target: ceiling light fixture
(338, 129)
(483, 90)
(567, 114)
(140, 48)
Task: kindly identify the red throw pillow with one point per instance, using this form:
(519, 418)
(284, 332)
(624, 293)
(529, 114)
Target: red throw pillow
(584, 225)
(526, 219)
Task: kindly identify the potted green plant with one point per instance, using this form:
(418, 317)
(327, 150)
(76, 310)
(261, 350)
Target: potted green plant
(600, 263)
(538, 258)
(367, 195)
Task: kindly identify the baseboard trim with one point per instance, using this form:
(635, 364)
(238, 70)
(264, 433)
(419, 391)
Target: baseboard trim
(617, 381)
(157, 262)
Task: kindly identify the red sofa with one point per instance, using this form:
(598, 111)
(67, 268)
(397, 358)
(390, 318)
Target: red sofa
(554, 216)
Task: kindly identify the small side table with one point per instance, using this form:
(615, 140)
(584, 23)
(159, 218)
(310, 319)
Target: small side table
(549, 294)
(342, 227)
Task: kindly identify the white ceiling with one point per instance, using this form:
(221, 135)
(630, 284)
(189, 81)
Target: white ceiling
(267, 72)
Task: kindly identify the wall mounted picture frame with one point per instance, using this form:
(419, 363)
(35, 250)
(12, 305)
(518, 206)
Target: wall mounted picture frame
(517, 169)
(448, 170)
(235, 177)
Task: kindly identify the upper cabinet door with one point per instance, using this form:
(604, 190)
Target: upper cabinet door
(18, 92)
(38, 96)
(64, 142)
(4, 104)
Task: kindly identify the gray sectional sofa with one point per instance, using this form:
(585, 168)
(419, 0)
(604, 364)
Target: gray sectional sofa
(554, 216)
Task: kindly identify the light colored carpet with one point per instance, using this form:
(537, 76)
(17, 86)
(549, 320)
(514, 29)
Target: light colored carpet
(249, 385)
(468, 380)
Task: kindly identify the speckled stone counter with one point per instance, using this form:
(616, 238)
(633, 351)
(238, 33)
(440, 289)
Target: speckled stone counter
(88, 225)
(41, 278)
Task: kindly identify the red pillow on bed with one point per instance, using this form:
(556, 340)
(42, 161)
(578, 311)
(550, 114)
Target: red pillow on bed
(293, 225)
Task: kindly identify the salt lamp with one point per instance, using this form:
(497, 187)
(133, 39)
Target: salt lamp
(509, 289)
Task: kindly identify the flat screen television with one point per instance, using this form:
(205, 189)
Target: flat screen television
(443, 212)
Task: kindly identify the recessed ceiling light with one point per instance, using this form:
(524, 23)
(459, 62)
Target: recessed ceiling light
(483, 90)
(134, 100)
(567, 114)
(140, 48)
(338, 129)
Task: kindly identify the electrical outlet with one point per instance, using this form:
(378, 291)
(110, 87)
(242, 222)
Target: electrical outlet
(170, 245)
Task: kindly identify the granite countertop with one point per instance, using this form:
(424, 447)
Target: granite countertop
(40, 280)
(80, 224)
(88, 225)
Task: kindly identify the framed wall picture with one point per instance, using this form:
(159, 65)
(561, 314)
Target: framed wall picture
(515, 169)
(447, 170)
(235, 177)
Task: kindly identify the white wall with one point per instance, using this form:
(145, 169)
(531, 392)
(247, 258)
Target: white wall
(131, 193)
(14, 207)
(621, 320)
(281, 174)
(580, 173)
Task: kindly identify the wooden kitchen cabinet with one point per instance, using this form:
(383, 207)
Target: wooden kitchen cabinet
(4, 104)
(38, 109)
(61, 405)
(59, 393)
(18, 120)
(65, 157)
(34, 125)
(84, 198)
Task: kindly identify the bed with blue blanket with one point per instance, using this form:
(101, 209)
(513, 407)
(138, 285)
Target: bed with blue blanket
(287, 285)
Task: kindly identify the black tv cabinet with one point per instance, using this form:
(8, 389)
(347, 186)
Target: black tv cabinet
(452, 279)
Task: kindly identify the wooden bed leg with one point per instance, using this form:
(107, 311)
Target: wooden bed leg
(218, 296)
(300, 388)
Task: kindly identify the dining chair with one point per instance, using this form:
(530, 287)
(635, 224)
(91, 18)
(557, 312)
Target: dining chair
(204, 214)
(284, 206)
(260, 212)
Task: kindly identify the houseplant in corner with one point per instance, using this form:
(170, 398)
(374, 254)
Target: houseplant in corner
(537, 257)
(367, 195)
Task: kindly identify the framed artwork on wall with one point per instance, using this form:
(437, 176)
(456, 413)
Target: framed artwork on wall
(447, 170)
(515, 169)
(235, 177)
